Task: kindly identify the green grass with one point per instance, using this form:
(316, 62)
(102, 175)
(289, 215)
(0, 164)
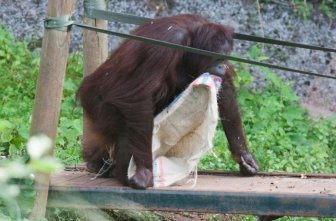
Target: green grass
(278, 131)
(19, 69)
(304, 8)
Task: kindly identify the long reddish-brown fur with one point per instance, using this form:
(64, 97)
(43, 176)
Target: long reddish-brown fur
(124, 94)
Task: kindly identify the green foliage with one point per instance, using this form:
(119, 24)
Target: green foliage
(278, 131)
(328, 7)
(19, 68)
(301, 8)
(68, 143)
(255, 54)
(16, 179)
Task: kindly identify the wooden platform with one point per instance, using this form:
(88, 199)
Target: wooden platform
(265, 194)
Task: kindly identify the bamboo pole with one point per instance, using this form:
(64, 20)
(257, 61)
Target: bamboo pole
(55, 48)
(95, 53)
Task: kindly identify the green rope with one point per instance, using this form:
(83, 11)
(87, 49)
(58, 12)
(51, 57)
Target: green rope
(63, 23)
(137, 20)
(197, 51)
(114, 16)
(280, 42)
(94, 4)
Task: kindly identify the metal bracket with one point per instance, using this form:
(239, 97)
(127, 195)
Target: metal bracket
(61, 23)
(94, 4)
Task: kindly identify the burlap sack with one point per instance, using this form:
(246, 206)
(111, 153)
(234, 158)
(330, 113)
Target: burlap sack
(183, 132)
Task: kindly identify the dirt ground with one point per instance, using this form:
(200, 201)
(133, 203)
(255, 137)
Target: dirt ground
(321, 96)
(198, 216)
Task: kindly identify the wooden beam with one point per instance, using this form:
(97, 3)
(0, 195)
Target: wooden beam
(259, 195)
(95, 53)
(55, 48)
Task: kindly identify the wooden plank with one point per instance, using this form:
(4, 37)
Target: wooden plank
(95, 52)
(260, 195)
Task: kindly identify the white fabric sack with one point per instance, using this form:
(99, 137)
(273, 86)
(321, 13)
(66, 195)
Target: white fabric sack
(183, 132)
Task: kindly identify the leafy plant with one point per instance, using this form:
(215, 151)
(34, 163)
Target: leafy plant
(301, 8)
(304, 10)
(17, 82)
(328, 7)
(19, 68)
(279, 132)
(17, 179)
(68, 142)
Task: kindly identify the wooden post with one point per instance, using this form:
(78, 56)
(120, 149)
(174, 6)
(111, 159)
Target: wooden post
(55, 48)
(95, 53)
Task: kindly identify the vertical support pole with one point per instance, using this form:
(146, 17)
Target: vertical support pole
(55, 49)
(95, 53)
